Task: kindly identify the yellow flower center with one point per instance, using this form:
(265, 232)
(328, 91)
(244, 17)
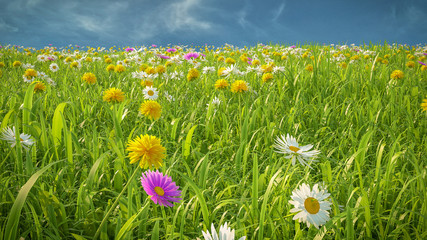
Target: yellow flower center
(160, 191)
(294, 149)
(311, 205)
(150, 92)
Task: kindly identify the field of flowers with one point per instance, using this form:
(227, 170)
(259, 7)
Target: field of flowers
(188, 142)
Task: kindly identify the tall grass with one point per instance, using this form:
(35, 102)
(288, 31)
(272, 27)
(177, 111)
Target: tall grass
(76, 181)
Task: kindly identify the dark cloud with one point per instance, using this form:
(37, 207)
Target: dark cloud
(130, 22)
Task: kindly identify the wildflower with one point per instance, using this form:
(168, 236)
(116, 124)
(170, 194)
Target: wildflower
(75, 65)
(160, 69)
(2, 64)
(266, 77)
(147, 151)
(192, 55)
(30, 73)
(230, 61)
(113, 95)
(424, 105)
(410, 64)
(39, 87)
(309, 68)
(110, 67)
(151, 109)
(161, 188)
(397, 74)
(289, 146)
(9, 135)
(171, 50)
(89, 78)
(225, 233)
(150, 93)
(239, 86)
(53, 67)
(119, 68)
(221, 84)
(192, 74)
(16, 64)
(27, 65)
(310, 205)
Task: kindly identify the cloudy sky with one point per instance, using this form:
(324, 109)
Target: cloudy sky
(37, 23)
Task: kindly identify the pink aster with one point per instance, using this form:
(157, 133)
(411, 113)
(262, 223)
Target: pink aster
(188, 56)
(153, 45)
(421, 63)
(163, 56)
(293, 46)
(171, 50)
(129, 49)
(160, 188)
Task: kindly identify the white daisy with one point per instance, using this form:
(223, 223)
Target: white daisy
(289, 145)
(150, 93)
(53, 67)
(225, 233)
(27, 65)
(8, 134)
(310, 205)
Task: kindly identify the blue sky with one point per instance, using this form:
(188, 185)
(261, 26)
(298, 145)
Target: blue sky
(37, 23)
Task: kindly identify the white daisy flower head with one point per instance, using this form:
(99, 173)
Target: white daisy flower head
(225, 233)
(53, 67)
(150, 93)
(311, 206)
(27, 65)
(9, 135)
(289, 146)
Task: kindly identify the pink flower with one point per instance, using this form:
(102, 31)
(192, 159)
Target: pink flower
(171, 50)
(129, 49)
(163, 56)
(421, 63)
(188, 56)
(154, 45)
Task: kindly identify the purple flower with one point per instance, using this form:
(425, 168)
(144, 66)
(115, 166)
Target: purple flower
(163, 56)
(249, 62)
(188, 56)
(425, 53)
(293, 46)
(171, 50)
(421, 63)
(249, 59)
(129, 49)
(153, 45)
(160, 188)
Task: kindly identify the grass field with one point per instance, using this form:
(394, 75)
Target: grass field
(72, 177)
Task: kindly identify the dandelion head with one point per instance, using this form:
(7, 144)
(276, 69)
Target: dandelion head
(151, 109)
(113, 95)
(147, 151)
(221, 84)
(89, 78)
(193, 74)
(397, 74)
(239, 86)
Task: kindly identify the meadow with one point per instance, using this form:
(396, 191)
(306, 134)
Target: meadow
(231, 127)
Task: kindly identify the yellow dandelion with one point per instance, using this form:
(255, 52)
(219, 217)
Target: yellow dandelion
(267, 68)
(221, 84)
(147, 151)
(151, 109)
(256, 62)
(16, 64)
(2, 65)
(221, 71)
(108, 60)
(39, 87)
(193, 74)
(89, 78)
(146, 82)
(239, 86)
(68, 59)
(30, 73)
(150, 70)
(113, 95)
(423, 67)
(266, 77)
(160, 69)
(309, 68)
(397, 74)
(110, 67)
(88, 59)
(74, 64)
(424, 105)
(220, 59)
(410, 64)
(230, 61)
(119, 68)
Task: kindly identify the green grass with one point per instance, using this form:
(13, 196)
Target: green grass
(76, 182)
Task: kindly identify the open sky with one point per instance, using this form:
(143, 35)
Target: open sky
(37, 23)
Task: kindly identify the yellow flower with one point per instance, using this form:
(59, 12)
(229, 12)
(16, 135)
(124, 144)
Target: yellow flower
(266, 77)
(220, 59)
(342, 65)
(74, 64)
(410, 64)
(423, 67)
(68, 59)
(147, 151)
(88, 59)
(150, 70)
(89, 78)
(192, 74)
(108, 60)
(221, 83)
(239, 86)
(424, 105)
(119, 68)
(30, 73)
(160, 69)
(146, 82)
(243, 58)
(2, 64)
(230, 61)
(16, 64)
(309, 68)
(151, 109)
(397, 74)
(110, 67)
(256, 62)
(39, 87)
(113, 95)
(267, 68)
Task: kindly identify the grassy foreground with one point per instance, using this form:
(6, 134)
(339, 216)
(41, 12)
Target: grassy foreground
(348, 101)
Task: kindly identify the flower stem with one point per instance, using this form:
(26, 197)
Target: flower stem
(113, 206)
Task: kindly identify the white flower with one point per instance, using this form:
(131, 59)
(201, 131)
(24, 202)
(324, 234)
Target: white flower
(225, 233)
(208, 70)
(288, 145)
(53, 67)
(27, 66)
(309, 205)
(42, 75)
(170, 98)
(150, 93)
(8, 134)
(42, 58)
(277, 69)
